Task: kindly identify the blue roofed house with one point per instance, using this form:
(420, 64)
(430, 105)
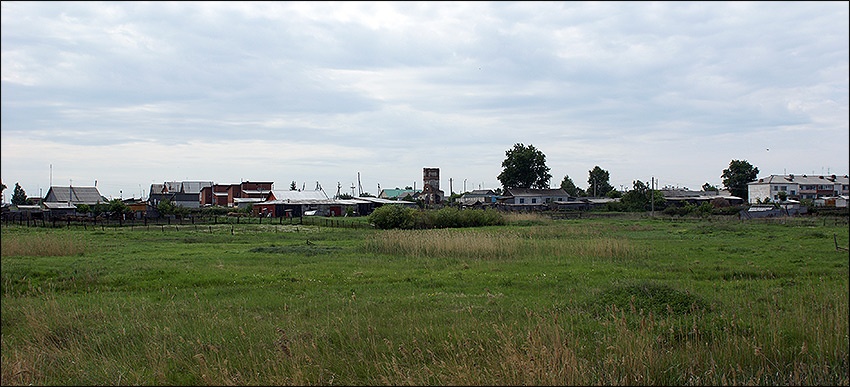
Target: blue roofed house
(399, 194)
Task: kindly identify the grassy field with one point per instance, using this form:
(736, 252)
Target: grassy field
(535, 302)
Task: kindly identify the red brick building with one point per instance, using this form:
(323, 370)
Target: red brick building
(226, 195)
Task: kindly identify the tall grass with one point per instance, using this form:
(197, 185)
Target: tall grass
(620, 304)
(498, 244)
(42, 245)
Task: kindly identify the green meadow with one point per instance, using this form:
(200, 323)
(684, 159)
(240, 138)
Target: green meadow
(614, 301)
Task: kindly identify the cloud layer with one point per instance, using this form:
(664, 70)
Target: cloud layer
(135, 93)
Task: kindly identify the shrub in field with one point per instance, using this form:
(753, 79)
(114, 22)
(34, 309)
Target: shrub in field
(388, 217)
(656, 298)
(391, 216)
(450, 217)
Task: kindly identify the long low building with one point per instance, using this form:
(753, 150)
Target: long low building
(293, 204)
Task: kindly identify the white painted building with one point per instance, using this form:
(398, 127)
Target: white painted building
(797, 187)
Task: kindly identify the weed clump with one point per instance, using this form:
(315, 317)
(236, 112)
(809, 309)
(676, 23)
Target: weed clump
(658, 299)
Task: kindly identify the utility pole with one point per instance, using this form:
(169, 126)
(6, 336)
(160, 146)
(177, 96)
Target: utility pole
(652, 197)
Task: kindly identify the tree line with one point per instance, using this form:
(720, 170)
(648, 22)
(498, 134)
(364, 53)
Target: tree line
(525, 166)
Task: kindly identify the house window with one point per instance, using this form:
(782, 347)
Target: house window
(521, 200)
(533, 200)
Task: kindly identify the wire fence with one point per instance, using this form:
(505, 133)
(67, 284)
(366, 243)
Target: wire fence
(175, 223)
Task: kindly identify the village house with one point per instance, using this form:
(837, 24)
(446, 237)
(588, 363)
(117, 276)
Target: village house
(797, 187)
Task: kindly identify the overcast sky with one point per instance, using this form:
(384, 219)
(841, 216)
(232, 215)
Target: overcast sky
(127, 94)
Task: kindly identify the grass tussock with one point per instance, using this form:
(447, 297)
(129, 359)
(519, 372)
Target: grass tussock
(526, 218)
(505, 244)
(446, 243)
(42, 245)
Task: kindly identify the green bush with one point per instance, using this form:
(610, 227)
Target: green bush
(393, 216)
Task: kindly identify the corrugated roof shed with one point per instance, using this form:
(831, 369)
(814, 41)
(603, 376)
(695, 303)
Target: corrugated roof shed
(74, 195)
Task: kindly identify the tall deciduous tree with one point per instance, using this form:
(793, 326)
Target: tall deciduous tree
(597, 182)
(524, 167)
(736, 177)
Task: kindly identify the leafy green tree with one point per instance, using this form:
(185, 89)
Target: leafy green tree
(569, 187)
(99, 208)
(19, 197)
(524, 167)
(782, 196)
(117, 208)
(641, 198)
(83, 208)
(597, 180)
(736, 177)
(708, 187)
(166, 207)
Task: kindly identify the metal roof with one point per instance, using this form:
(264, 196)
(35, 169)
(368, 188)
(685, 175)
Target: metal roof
(383, 201)
(299, 195)
(59, 206)
(803, 179)
(535, 192)
(76, 195)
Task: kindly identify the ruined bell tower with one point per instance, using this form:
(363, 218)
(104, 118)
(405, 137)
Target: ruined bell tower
(431, 189)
